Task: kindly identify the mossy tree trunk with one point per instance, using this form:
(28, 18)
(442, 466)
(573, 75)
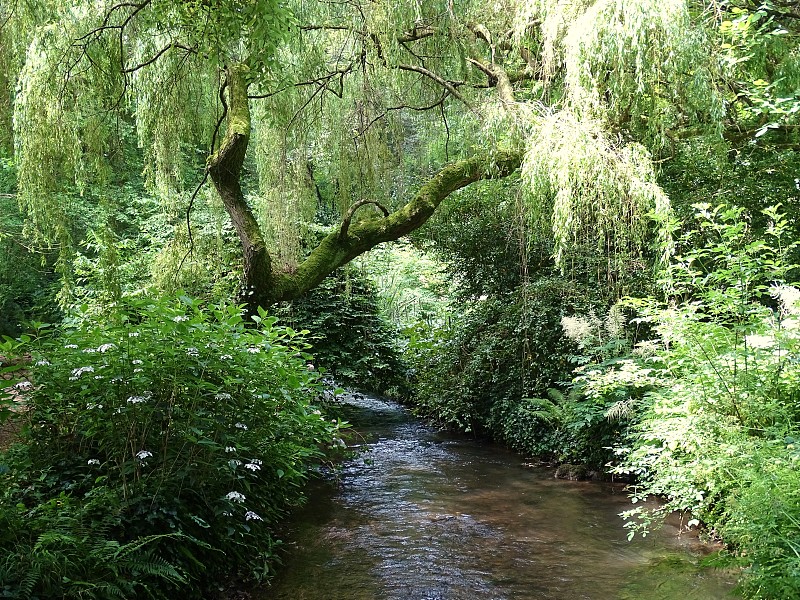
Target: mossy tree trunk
(266, 286)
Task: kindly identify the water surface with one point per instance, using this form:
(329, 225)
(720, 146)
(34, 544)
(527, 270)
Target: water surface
(421, 514)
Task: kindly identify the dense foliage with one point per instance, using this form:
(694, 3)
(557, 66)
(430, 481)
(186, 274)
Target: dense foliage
(351, 341)
(162, 445)
(249, 149)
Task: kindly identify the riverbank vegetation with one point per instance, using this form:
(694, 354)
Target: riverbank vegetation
(598, 207)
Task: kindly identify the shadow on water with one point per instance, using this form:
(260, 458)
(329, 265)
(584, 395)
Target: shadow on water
(423, 515)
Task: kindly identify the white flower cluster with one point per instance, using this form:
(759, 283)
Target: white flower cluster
(143, 454)
(241, 426)
(251, 516)
(193, 352)
(105, 347)
(76, 373)
(235, 497)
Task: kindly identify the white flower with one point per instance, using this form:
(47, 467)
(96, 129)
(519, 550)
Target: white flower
(143, 454)
(789, 297)
(254, 350)
(105, 347)
(71, 346)
(138, 370)
(42, 363)
(92, 461)
(137, 399)
(136, 361)
(180, 319)
(251, 516)
(226, 357)
(241, 426)
(234, 463)
(235, 497)
(230, 449)
(81, 370)
(133, 334)
(93, 406)
(222, 396)
(253, 467)
(88, 350)
(192, 351)
(116, 379)
(255, 461)
(23, 386)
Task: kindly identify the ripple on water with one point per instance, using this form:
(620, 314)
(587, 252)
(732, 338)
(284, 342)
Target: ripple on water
(423, 515)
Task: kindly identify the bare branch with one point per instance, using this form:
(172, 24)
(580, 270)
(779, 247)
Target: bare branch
(389, 109)
(417, 33)
(351, 211)
(157, 56)
(448, 85)
(321, 82)
(497, 77)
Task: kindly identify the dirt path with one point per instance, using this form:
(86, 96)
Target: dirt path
(16, 382)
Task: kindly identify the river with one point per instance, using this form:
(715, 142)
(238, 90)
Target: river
(420, 514)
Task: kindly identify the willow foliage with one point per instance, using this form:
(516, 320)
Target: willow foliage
(592, 189)
(348, 94)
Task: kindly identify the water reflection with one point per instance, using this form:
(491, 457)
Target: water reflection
(424, 515)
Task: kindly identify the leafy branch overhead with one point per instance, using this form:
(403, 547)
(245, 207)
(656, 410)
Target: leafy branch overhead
(391, 105)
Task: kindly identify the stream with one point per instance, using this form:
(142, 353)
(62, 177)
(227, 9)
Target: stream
(420, 514)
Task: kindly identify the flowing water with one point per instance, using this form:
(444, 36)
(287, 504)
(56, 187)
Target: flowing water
(421, 515)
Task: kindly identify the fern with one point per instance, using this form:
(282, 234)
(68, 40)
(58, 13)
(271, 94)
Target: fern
(542, 409)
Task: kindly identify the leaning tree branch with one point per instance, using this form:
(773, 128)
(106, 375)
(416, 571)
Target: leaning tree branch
(336, 250)
(497, 77)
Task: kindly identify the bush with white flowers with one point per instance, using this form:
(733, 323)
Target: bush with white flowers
(191, 427)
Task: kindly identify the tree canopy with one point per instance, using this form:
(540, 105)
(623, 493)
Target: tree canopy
(388, 106)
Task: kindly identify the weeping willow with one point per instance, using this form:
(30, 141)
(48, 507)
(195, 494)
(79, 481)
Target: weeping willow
(598, 88)
(639, 65)
(591, 189)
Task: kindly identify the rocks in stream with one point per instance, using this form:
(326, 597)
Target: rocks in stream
(574, 472)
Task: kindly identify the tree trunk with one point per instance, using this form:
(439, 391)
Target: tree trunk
(263, 286)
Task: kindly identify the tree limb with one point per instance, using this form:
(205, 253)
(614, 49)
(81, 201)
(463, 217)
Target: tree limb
(443, 82)
(335, 250)
(498, 77)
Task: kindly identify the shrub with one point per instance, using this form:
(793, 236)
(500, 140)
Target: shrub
(161, 446)
(351, 340)
(714, 396)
